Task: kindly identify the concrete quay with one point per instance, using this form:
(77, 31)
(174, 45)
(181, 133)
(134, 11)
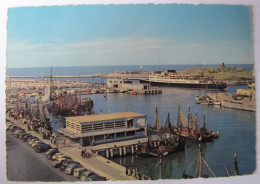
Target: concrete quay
(96, 163)
(227, 101)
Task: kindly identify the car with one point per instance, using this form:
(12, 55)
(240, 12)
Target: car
(78, 172)
(33, 140)
(57, 155)
(85, 175)
(42, 148)
(18, 132)
(30, 139)
(70, 168)
(66, 163)
(95, 177)
(25, 137)
(58, 162)
(20, 136)
(13, 129)
(36, 142)
(50, 153)
(8, 125)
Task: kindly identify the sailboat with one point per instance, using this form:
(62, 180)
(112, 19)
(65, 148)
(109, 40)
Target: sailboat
(202, 169)
(188, 128)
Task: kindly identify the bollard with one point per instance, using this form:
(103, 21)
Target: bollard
(120, 151)
(124, 150)
(111, 153)
(107, 153)
(132, 149)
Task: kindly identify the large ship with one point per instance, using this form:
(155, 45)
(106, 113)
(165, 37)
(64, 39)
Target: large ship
(171, 78)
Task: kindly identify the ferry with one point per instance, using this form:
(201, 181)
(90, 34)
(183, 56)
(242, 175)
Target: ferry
(171, 78)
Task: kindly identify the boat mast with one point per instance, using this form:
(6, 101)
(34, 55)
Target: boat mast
(189, 118)
(157, 125)
(179, 118)
(236, 166)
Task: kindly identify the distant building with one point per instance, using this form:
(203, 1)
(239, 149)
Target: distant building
(104, 128)
(126, 85)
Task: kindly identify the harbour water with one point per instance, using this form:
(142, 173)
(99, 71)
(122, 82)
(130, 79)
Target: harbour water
(236, 129)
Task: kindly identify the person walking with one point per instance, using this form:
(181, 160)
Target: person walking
(82, 153)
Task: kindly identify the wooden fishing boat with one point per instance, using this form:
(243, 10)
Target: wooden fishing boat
(202, 169)
(187, 127)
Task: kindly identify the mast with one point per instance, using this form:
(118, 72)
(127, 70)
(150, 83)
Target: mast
(204, 122)
(236, 166)
(179, 117)
(157, 125)
(189, 118)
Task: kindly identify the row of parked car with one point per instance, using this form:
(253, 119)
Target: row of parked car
(59, 160)
(71, 167)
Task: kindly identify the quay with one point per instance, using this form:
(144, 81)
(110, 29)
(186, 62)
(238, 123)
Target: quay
(226, 100)
(98, 164)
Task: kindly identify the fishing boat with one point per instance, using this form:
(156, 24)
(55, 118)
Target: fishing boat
(171, 78)
(168, 143)
(188, 128)
(202, 169)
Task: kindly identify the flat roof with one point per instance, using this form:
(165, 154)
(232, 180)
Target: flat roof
(104, 117)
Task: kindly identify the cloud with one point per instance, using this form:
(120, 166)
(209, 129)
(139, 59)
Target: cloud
(120, 51)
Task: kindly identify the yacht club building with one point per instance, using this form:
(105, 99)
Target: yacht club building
(104, 128)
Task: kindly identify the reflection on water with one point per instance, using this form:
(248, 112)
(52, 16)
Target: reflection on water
(236, 129)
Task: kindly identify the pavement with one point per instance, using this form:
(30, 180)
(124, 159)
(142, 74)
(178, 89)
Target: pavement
(98, 164)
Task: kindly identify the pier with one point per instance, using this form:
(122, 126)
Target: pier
(227, 101)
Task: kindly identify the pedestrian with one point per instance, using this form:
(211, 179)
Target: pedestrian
(28, 127)
(82, 153)
(85, 153)
(131, 171)
(51, 138)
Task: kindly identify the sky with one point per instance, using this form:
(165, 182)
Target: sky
(102, 35)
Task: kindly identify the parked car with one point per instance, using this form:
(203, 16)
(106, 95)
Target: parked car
(37, 142)
(42, 148)
(70, 168)
(79, 171)
(66, 163)
(30, 139)
(26, 137)
(56, 155)
(86, 174)
(95, 177)
(51, 152)
(58, 162)
(16, 133)
(14, 128)
(33, 140)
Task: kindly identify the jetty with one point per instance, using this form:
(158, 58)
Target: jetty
(227, 100)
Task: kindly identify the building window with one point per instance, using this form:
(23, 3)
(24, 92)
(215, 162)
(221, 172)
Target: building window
(98, 137)
(131, 133)
(109, 136)
(130, 123)
(120, 134)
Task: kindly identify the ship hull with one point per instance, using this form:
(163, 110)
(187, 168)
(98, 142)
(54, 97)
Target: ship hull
(219, 86)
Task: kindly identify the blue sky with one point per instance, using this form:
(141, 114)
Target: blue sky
(93, 35)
